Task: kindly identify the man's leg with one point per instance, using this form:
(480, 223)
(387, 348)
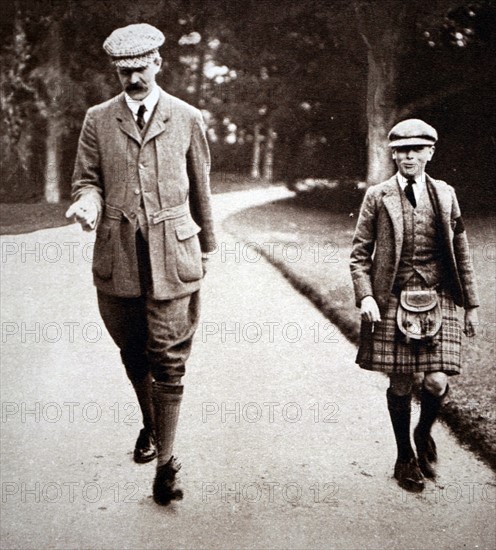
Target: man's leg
(399, 397)
(171, 327)
(125, 319)
(433, 392)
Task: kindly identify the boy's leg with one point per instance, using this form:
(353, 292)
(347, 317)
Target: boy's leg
(399, 397)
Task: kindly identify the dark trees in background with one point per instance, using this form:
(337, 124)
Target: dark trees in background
(457, 94)
(18, 115)
(52, 72)
(290, 88)
(404, 41)
(294, 100)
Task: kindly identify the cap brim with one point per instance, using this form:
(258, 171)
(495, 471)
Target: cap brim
(135, 62)
(130, 63)
(411, 141)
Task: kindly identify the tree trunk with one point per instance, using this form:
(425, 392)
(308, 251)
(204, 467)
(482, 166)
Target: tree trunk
(269, 155)
(381, 116)
(257, 140)
(54, 118)
(52, 162)
(200, 77)
(384, 27)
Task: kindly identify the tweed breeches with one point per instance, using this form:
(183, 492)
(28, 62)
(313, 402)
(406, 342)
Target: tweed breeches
(153, 336)
(389, 352)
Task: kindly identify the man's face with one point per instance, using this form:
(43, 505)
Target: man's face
(411, 160)
(139, 82)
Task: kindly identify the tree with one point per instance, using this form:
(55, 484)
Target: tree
(295, 88)
(383, 26)
(390, 31)
(18, 100)
(290, 79)
(54, 85)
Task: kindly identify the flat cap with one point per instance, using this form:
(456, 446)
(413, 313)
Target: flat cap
(412, 132)
(134, 46)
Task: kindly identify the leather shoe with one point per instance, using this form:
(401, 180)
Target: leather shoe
(145, 449)
(409, 476)
(165, 487)
(426, 452)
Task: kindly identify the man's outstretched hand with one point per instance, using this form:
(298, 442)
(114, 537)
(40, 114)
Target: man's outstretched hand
(85, 212)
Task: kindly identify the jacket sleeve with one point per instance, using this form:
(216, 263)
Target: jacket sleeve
(363, 248)
(86, 180)
(462, 256)
(198, 163)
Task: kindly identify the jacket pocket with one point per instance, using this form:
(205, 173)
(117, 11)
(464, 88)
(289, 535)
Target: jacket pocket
(188, 252)
(103, 257)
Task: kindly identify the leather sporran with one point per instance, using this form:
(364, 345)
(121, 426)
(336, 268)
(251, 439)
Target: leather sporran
(419, 316)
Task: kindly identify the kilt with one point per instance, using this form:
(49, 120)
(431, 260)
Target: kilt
(386, 349)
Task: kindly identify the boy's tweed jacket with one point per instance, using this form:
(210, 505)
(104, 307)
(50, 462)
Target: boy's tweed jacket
(166, 167)
(379, 237)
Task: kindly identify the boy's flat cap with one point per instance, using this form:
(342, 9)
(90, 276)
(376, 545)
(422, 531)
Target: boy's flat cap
(412, 132)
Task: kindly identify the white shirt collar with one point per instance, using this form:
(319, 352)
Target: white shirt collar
(149, 102)
(419, 181)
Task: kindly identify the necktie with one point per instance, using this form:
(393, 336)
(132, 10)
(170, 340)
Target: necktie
(141, 120)
(410, 195)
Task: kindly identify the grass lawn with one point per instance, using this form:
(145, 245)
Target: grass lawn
(227, 182)
(16, 218)
(312, 247)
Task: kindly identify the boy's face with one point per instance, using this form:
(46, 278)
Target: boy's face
(411, 159)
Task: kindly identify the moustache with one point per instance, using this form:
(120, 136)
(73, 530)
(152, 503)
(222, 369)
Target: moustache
(135, 87)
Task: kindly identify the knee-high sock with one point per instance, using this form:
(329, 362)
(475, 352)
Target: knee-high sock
(143, 387)
(399, 407)
(430, 406)
(167, 403)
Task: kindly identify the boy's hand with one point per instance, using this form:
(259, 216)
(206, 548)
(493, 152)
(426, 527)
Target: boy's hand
(471, 322)
(370, 310)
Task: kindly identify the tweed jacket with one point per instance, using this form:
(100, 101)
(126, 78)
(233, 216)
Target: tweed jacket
(166, 167)
(378, 241)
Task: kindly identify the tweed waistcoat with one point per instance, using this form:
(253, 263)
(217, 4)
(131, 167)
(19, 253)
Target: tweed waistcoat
(141, 213)
(420, 252)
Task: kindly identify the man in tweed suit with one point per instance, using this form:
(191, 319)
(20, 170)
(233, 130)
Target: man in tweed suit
(141, 178)
(410, 235)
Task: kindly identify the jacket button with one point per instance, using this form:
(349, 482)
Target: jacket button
(137, 191)
(141, 166)
(132, 215)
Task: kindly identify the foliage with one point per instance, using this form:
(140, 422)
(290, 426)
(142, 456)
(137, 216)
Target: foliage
(294, 69)
(18, 107)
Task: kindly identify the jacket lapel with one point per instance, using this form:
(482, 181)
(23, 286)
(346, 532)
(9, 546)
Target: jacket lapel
(161, 114)
(442, 200)
(126, 120)
(392, 202)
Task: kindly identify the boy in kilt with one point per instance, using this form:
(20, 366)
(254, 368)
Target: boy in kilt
(410, 237)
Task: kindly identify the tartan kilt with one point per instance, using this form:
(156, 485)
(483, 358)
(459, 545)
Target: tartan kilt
(387, 351)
